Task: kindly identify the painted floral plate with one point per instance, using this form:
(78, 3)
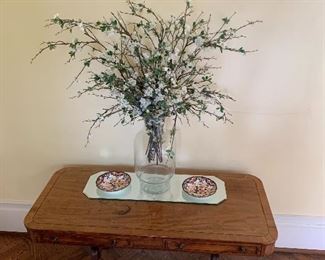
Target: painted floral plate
(113, 181)
(199, 186)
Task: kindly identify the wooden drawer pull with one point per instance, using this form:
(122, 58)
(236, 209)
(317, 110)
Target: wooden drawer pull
(180, 245)
(242, 249)
(54, 239)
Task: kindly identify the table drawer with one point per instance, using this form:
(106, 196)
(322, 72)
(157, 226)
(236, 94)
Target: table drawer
(109, 241)
(213, 248)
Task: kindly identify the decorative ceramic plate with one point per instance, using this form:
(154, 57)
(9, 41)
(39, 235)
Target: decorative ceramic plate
(199, 186)
(113, 181)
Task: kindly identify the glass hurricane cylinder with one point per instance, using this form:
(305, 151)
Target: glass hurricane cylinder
(154, 156)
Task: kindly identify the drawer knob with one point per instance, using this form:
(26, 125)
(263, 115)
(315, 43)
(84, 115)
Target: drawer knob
(180, 245)
(54, 239)
(243, 249)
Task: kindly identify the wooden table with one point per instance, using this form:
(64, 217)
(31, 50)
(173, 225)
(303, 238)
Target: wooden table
(243, 224)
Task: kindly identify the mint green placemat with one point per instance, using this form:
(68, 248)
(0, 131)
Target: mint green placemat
(174, 194)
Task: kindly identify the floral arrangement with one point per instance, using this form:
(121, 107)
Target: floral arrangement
(153, 68)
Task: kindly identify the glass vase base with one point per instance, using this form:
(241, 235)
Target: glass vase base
(154, 185)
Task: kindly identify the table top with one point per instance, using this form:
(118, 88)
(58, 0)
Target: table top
(242, 224)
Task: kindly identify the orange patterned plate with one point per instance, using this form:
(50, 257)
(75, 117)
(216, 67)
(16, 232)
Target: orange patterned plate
(112, 181)
(199, 186)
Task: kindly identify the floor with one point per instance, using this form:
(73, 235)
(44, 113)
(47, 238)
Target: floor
(18, 246)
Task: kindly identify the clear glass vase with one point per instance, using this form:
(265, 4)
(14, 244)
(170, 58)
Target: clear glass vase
(155, 155)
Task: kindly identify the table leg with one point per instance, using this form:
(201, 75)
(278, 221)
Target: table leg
(214, 257)
(94, 253)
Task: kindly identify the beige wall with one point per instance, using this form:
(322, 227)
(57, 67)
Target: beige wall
(279, 116)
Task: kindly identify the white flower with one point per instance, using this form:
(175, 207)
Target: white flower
(136, 112)
(108, 57)
(56, 16)
(173, 81)
(158, 98)
(167, 46)
(178, 100)
(189, 65)
(161, 86)
(132, 82)
(146, 56)
(135, 7)
(81, 26)
(150, 25)
(173, 57)
(199, 41)
(196, 94)
(170, 74)
(131, 47)
(184, 90)
(118, 95)
(148, 92)
(144, 103)
(123, 103)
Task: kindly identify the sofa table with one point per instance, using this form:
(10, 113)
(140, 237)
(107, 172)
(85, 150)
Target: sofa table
(243, 224)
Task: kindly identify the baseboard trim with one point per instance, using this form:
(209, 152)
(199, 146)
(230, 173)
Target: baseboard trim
(12, 216)
(299, 251)
(295, 232)
(300, 232)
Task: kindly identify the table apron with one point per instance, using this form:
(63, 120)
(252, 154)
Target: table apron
(185, 245)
